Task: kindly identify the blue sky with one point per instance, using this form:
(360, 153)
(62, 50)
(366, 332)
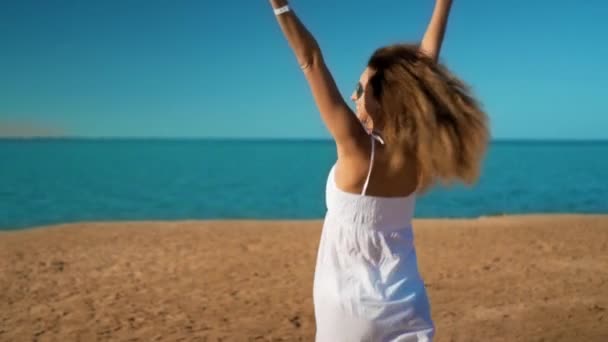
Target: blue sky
(203, 68)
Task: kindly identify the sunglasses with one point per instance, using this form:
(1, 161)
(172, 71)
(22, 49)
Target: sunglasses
(358, 90)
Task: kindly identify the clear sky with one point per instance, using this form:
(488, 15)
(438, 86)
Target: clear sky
(204, 68)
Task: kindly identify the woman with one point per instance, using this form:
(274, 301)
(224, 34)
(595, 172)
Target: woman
(416, 125)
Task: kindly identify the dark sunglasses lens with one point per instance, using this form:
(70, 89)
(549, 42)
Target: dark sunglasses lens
(359, 90)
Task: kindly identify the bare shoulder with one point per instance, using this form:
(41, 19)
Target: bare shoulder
(354, 157)
(393, 174)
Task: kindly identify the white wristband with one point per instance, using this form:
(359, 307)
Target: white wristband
(281, 10)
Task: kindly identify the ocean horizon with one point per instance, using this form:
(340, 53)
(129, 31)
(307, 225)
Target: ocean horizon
(54, 180)
(270, 139)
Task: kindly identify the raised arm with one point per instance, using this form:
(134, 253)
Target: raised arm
(337, 116)
(433, 37)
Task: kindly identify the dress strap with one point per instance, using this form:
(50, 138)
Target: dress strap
(371, 161)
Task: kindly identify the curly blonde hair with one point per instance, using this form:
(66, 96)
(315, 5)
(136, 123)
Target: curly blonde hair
(430, 113)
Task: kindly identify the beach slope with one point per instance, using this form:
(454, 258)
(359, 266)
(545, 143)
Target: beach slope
(510, 278)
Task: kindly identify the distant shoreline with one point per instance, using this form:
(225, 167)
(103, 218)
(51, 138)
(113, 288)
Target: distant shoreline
(232, 221)
(280, 139)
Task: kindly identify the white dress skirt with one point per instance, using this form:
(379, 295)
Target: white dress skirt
(366, 285)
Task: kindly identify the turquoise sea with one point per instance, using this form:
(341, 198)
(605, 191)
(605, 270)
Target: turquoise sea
(50, 181)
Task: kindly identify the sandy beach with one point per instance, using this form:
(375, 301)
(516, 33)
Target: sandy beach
(512, 278)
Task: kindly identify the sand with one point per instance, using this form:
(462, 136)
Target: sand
(513, 278)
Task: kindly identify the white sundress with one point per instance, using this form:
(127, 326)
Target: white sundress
(366, 284)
